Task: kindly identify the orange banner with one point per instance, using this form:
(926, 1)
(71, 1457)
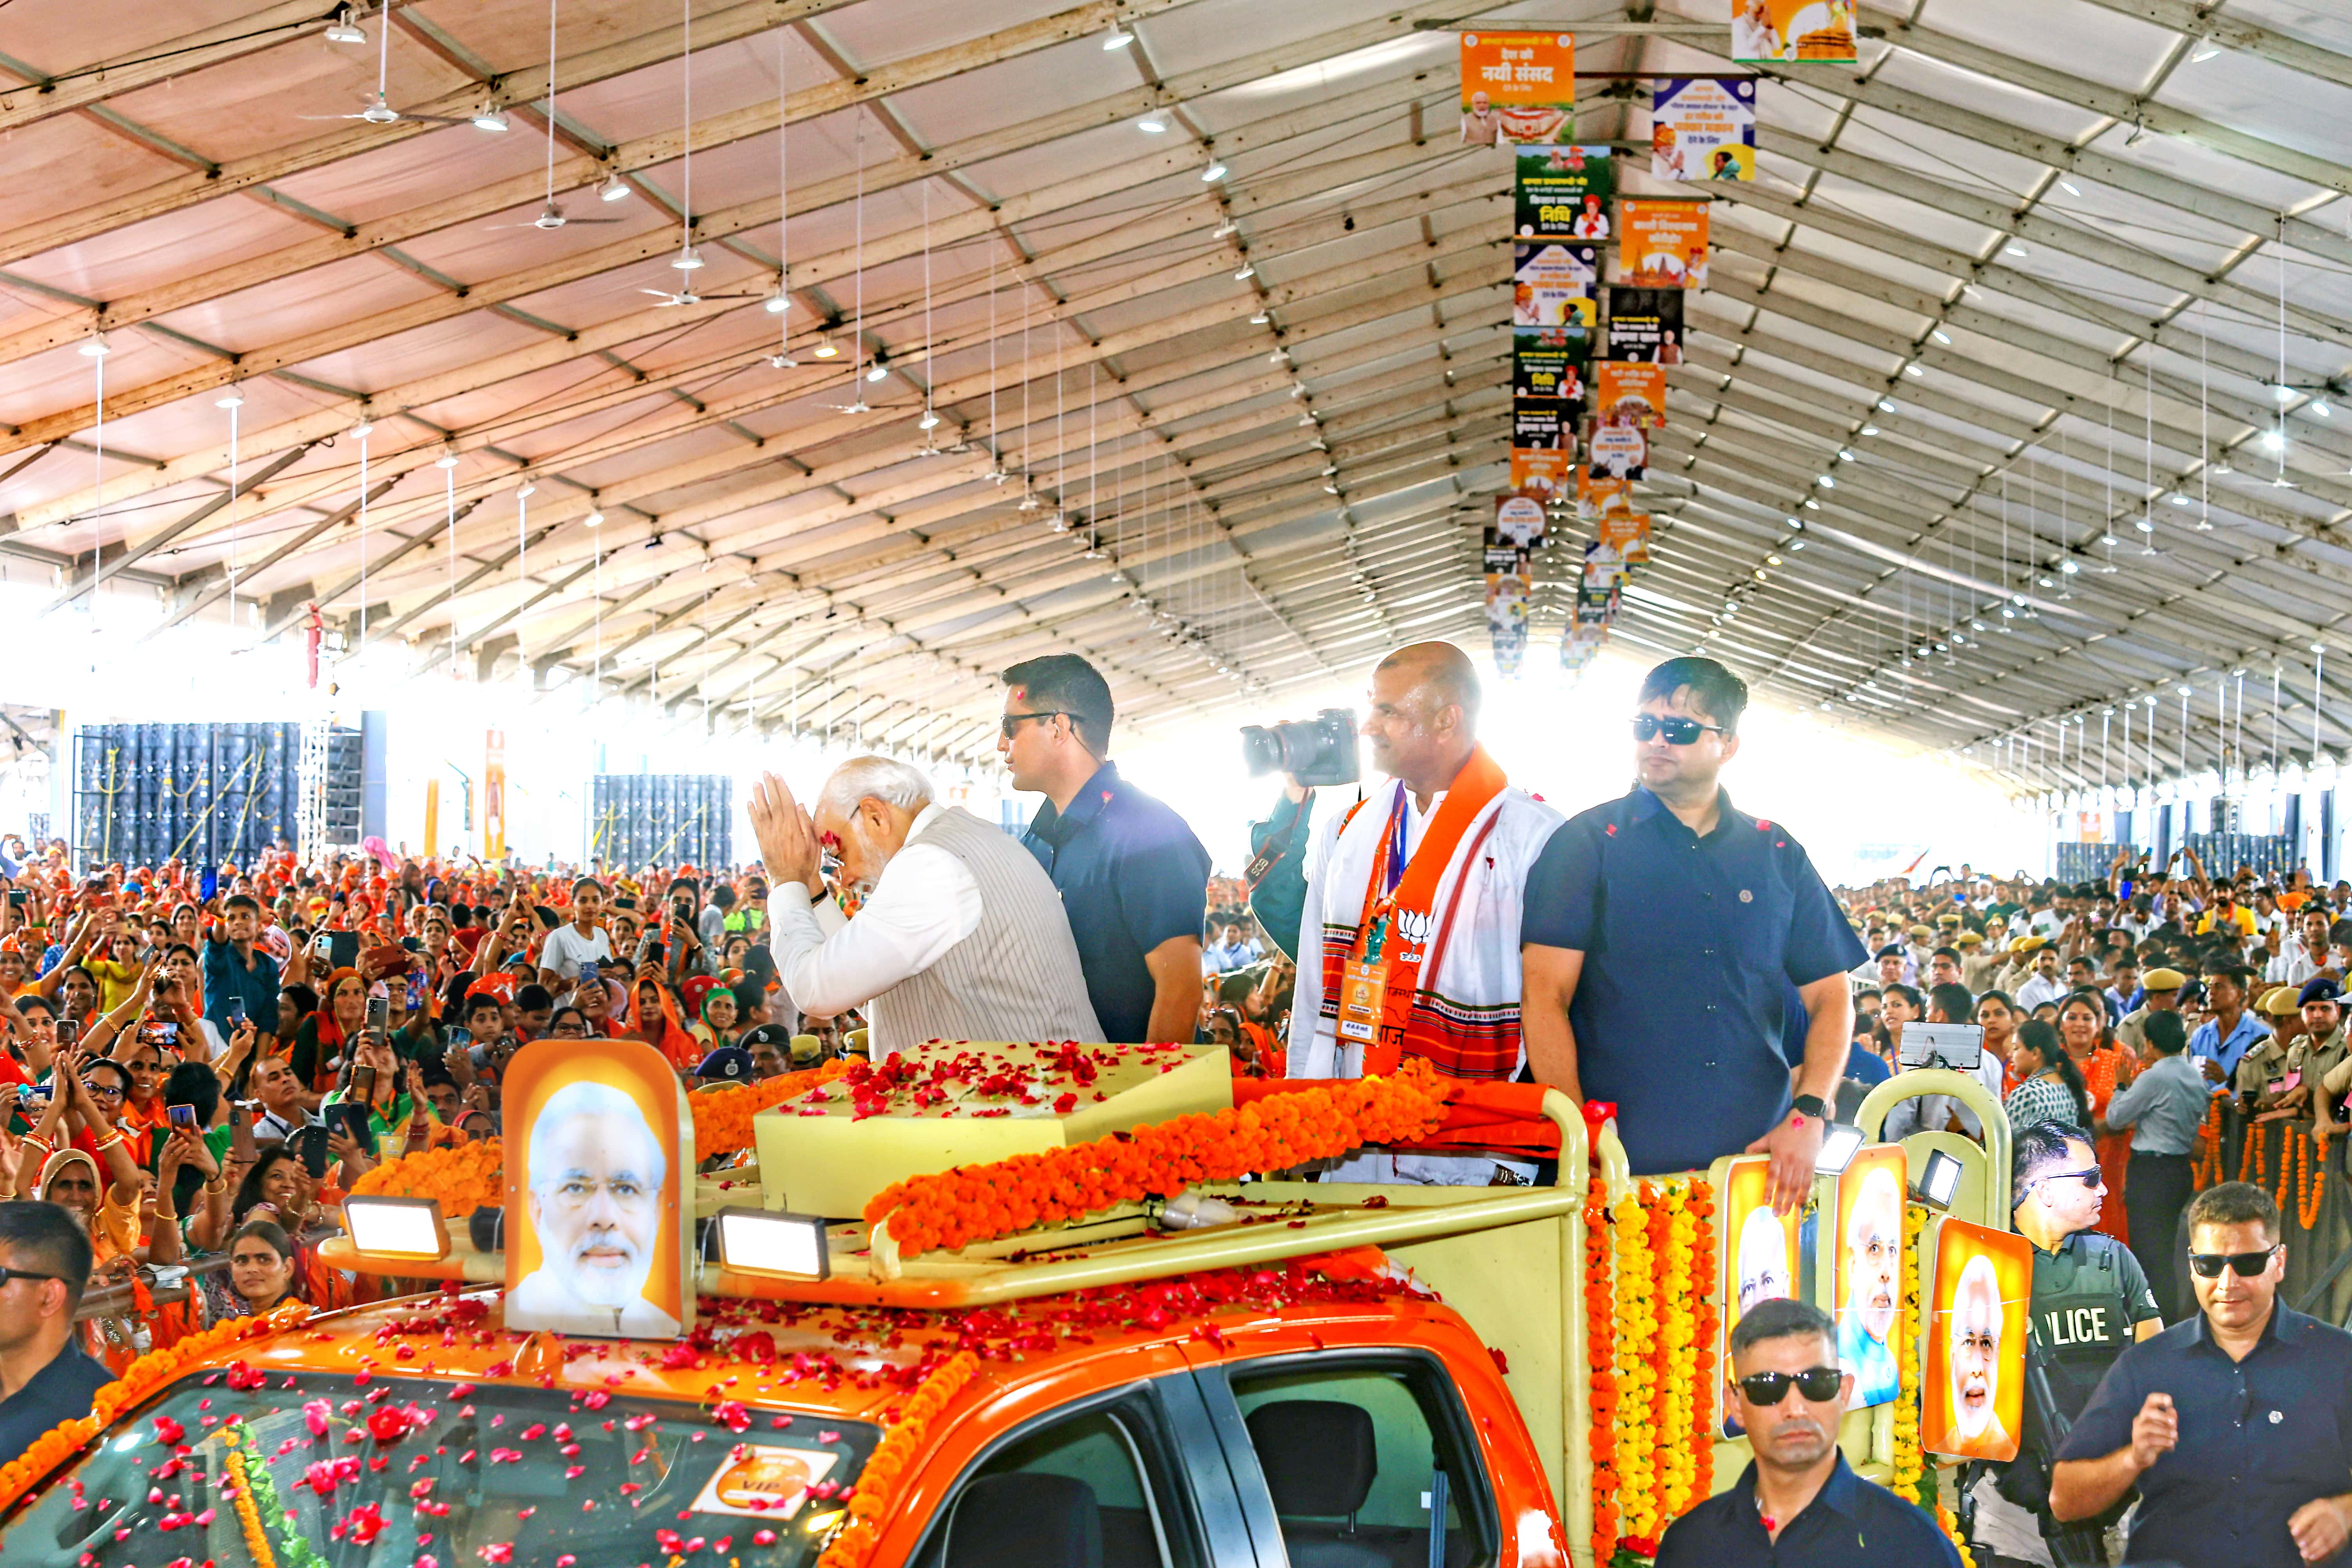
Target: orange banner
(1600, 494)
(1628, 533)
(1630, 394)
(1540, 473)
(1518, 87)
(1662, 245)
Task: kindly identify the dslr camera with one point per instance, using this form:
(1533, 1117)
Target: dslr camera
(1317, 751)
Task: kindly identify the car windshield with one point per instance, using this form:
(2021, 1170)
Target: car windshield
(238, 1470)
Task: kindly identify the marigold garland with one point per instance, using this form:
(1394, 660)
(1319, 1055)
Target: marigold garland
(722, 1117)
(256, 1539)
(140, 1379)
(885, 1471)
(460, 1177)
(1907, 1460)
(1672, 1229)
(1951, 1527)
(2206, 1169)
(978, 1202)
(2250, 1149)
(1637, 1334)
(1707, 1319)
(1601, 1349)
(2309, 1182)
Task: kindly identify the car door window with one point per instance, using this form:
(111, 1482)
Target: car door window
(1095, 1488)
(1355, 1453)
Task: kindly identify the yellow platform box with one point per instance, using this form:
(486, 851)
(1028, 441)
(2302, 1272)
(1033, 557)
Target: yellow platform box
(961, 1102)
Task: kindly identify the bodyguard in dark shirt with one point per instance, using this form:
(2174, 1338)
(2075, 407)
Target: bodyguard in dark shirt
(2236, 1425)
(1134, 880)
(46, 1379)
(1798, 1502)
(1662, 935)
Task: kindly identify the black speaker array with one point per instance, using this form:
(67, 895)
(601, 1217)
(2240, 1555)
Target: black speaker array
(635, 820)
(207, 794)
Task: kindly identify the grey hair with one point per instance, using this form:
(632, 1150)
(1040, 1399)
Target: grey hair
(586, 1097)
(891, 783)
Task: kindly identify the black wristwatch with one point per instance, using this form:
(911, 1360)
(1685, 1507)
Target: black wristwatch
(1809, 1105)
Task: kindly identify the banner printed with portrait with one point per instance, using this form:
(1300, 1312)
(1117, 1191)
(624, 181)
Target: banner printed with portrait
(1543, 447)
(1787, 32)
(1972, 1395)
(1645, 325)
(1629, 393)
(1519, 521)
(1703, 128)
(1497, 555)
(594, 1245)
(1763, 1259)
(1563, 192)
(1552, 284)
(1628, 533)
(1548, 364)
(1518, 87)
(1598, 495)
(1595, 606)
(1617, 452)
(1662, 245)
(1866, 1293)
(1604, 567)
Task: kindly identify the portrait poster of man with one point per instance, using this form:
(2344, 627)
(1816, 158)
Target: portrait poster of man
(1763, 1261)
(1784, 32)
(1547, 362)
(593, 1244)
(1618, 452)
(1629, 393)
(1703, 128)
(1866, 1290)
(1972, 1395)
(1543, 445)
(1597, 494)
(1645, 325)
(1518, 87)
(1628, 533)
(1552, 284)
(1519, 521)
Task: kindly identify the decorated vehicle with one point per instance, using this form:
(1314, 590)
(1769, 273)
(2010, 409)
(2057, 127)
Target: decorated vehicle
(1054, 1317)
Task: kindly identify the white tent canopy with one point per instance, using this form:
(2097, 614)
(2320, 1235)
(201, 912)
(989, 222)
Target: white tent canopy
(1175, 332)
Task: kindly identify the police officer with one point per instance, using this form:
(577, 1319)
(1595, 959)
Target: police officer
(2235, 1426)
(2090, 1302)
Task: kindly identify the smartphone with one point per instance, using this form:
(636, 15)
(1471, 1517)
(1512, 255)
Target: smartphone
(342, 948)
(183, 1117)
(478, 1058)
(235, 1011)
(364, 1084)
(379, 1008)
(17, 897)
(69, 1031)
(310, 1144)
(459, 1035)
(588, 973)
(167, 1033)
(355, 1121)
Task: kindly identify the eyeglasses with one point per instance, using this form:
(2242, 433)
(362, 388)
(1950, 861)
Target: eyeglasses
(2090, 1178)
(1678, 730)
(2209, 1265)
(1818, 1384)
(113, 1089)
(1012, 722)
(8, 1274)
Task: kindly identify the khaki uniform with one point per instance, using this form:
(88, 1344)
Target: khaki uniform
(2131, 1029)
(2261, 1064)
(1977, 971)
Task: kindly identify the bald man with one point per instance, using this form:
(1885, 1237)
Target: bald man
(1410, 936)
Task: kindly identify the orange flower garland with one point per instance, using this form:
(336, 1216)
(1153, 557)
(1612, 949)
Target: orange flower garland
(2251, 1152)
(1600, 1349)
(885, 1475)
(2310, 1182)
(256, 1539)
(722, 1117)
(461, 1177)
(140, 1379)
(1702, 1270)
(1005, 1197)
(2206, 1169)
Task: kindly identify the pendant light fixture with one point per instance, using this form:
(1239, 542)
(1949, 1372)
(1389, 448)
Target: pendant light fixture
(780, 304)
(687, 257)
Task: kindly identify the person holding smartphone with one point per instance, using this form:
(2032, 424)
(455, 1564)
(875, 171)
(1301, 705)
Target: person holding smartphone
(583, 940)
(370, 1109)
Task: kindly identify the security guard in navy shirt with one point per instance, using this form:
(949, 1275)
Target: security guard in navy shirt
(1133, 878)
(1661, 932)
(1799, 1502)
(2236, 1425)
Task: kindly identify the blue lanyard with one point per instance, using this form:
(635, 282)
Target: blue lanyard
(1393, 871)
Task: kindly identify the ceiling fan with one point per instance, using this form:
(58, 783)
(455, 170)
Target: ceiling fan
(381, 112)
(684, 294)
(550, 216)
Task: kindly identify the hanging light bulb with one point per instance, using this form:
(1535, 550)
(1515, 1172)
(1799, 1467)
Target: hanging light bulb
(527, 490)
(614, 187)
(96, 346)
(778, 301)
(448, 459)
(1215, 171)
(1117, 38)
(488, 119)
(930, 421)
(825, 348)
(363, 429)
(1153, 124)
(1248, 269)
(687, 260)
(343, 30)
(232, 398)
(878, 371)
(595, 518)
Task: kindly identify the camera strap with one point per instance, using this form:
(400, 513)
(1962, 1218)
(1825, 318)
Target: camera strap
(1397, 929)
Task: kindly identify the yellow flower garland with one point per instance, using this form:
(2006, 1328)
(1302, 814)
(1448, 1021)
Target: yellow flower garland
(1951, 1527)
(1677, 1325)
(1637, 1331)
(1907, 1460)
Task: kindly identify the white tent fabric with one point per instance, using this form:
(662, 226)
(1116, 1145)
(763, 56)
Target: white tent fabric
(2008, 400)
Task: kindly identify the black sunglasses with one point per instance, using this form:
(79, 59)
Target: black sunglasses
(8, 1274)
(1818, 1384)
(1678, 730)
(2090, 1178)
(2209, 1265)
(1012, 722)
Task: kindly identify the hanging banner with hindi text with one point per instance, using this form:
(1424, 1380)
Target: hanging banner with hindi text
(1703, 128)
(1552, 284)
(1646, 325)
(1629, 393)
(1518, 87)
(1563, 192)
(1663, 244)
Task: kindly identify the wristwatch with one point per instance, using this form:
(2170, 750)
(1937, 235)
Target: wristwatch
(1809, 1105)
